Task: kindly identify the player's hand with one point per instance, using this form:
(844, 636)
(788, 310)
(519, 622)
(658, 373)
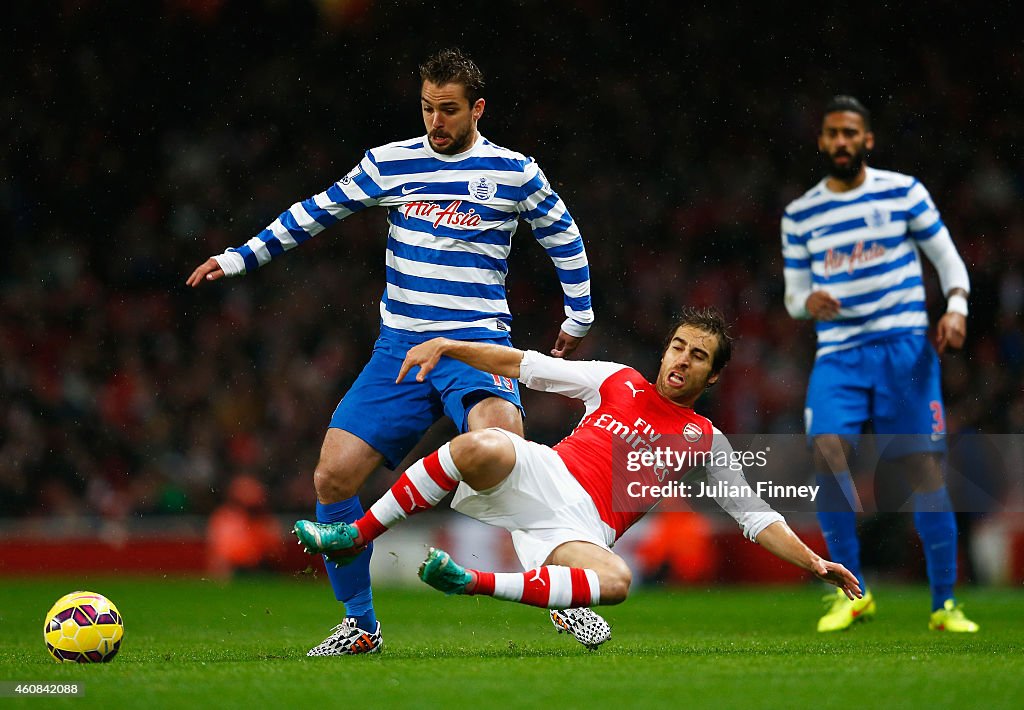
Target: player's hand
(565, 344)
(822, 305)
(209, 270)
(426, 355)
(951, 332)
(835, 574)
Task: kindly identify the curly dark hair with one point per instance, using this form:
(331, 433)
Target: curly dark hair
(712, 322)
(451, 66)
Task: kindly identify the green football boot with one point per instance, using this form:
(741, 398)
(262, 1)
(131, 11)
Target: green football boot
(441, 572)
(336, 541)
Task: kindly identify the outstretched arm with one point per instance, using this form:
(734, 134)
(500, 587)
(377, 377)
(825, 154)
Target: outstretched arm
(300, 222)
(766, 527)
(487, 357)
(782, 542)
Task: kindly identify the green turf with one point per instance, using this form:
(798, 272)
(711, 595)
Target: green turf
(197, 643)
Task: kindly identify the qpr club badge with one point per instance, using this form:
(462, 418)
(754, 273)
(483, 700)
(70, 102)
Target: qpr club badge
(353, 173)
(877, 218)
(482, 188)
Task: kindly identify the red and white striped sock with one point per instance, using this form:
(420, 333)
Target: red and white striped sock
(421, 487)
(549, 587)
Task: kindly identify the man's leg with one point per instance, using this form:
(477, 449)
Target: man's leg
(585, 625)
(574, 577)
(582, 623)
(493, 409)
(376, 422)
(495, 412)
(837, 502)
(576, 574)
(838, 404)
(837, 506)
(345, 463)
(612, 572)
(482, 459)
(910, 409)
(935, 523)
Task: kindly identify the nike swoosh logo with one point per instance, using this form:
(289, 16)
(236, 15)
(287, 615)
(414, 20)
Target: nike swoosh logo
(818, 232)
(409, 191)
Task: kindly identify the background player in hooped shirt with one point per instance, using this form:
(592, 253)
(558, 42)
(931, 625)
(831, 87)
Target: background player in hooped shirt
(559, 503)
(850, 248)
(454, 200)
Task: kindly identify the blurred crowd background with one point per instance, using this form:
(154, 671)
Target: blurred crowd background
(143, 138)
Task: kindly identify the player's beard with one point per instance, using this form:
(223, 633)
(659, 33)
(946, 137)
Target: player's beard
(458, 144)
(848, 171)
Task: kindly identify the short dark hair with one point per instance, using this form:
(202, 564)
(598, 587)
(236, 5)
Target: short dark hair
(844, 102)
(711, 321)
(451, 66)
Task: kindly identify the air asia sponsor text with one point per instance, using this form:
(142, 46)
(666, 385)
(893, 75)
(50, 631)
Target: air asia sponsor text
(450, 215)
(837, 261)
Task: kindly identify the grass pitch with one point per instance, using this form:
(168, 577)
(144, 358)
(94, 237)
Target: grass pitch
(200, 644)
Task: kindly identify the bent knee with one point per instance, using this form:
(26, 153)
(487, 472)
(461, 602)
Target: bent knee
(476, 450)
(345, 464)
(615, 585)
(332, 484)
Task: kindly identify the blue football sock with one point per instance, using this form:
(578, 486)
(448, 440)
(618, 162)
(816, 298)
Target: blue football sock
(351, 583)
(838, 520)
(936, 526)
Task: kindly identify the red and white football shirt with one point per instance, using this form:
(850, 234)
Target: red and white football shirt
(625, 412)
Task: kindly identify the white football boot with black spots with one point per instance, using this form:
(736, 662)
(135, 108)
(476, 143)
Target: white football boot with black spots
(586, 626)
(347, 639)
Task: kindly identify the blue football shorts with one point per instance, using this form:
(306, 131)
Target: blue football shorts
(392, 418)
(894, 383)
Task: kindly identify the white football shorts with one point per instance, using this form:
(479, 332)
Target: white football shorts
(540, 503)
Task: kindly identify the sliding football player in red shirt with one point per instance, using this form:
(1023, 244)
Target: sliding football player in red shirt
(566, 505)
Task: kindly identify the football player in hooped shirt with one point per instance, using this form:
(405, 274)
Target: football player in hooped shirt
(852, 248)
(558, 502)
(453, 200)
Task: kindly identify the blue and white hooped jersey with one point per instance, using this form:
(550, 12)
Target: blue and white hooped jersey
(862, 247)
(451, 220)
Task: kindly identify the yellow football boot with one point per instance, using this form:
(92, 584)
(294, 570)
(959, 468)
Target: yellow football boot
(843, 613)
(951, 618)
